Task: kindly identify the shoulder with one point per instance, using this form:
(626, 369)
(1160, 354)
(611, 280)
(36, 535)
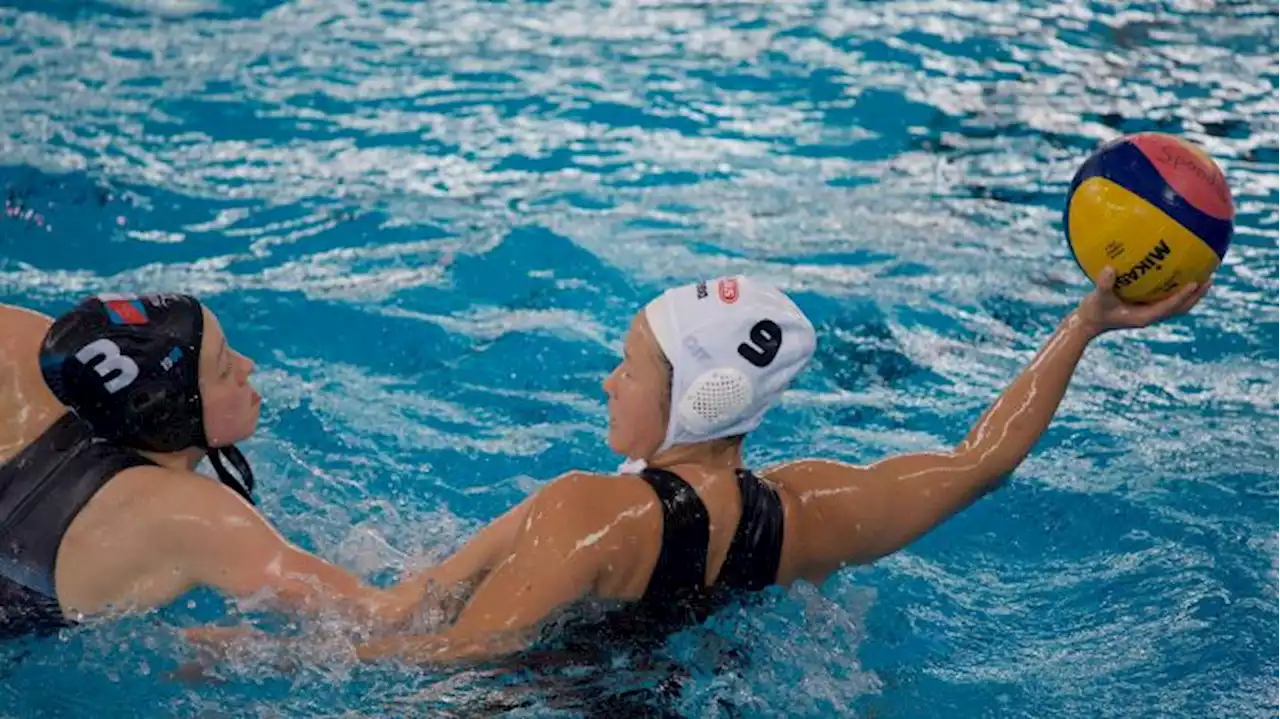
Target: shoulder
(21, 334)
(808, 465)
(810, 473)
(586, 489)
(582, 502)
(21, 330)
(14, 317)
(168, 484)
(180, 503)
(167, 517)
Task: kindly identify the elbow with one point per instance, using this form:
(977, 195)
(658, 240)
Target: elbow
(989, 467)
(997, 482)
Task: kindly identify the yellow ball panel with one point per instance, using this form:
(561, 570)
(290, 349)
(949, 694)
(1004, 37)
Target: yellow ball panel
(1153, 255)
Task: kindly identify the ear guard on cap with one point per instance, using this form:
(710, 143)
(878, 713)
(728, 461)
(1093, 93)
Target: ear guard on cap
(714, 399)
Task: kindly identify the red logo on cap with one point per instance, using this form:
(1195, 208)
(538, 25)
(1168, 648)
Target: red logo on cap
(728, 291)
(126, 312)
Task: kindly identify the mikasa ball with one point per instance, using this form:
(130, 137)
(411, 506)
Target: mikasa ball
(1153, 206)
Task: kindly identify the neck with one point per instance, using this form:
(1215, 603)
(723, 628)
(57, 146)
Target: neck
(700, 462)
(184, 460)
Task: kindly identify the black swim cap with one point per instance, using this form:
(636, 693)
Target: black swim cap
(130, 366)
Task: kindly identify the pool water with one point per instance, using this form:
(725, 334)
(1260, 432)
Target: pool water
(429, 224)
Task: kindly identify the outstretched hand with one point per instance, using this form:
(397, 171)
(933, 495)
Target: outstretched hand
(1103, 311)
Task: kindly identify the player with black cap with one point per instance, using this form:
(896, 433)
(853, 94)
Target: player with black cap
(130, 368)
(101, 510)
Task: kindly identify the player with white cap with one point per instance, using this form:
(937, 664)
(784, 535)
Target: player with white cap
(730, 348)
(685, 521)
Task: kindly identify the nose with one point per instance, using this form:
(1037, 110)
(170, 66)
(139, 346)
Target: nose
(608, 383)
(247, 366)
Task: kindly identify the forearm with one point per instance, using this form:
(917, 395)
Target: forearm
(441, 648)
(1012, 426)
(298, 584)
(473, 560)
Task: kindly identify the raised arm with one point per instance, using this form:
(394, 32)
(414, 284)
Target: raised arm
(854, 514)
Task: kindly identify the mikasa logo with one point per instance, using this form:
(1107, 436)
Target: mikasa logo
(1150, 262)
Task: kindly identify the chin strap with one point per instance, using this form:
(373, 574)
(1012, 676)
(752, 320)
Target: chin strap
(242, 485)
(632, 466)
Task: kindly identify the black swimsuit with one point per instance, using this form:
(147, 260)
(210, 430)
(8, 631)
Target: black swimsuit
(754, 555)
(676, 598)
(43, 488)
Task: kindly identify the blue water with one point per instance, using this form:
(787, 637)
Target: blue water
(429, 224)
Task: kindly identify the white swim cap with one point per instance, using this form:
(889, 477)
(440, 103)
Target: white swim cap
(734, 345)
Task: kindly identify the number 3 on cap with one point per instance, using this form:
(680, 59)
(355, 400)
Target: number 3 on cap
(766, 340)
(112, 361)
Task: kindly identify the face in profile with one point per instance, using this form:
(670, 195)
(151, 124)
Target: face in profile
(231, 405)
(639, 391)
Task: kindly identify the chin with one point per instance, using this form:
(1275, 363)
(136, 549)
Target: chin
(253, 427)
(622, 448)
(613, 444)
(630, 447)
(246, 431)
